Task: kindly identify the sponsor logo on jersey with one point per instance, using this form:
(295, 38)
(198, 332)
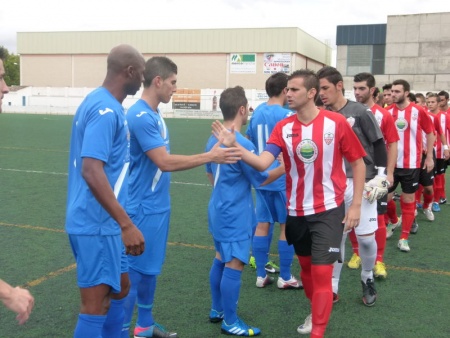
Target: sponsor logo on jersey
(401, 124)
(333, 249)
(307, 151)
(414, 115)
(105, 111)
(141, 113)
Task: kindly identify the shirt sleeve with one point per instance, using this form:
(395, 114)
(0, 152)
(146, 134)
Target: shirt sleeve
(349, 143)
(99, 135)
(369, 126)
(425, 122)
(389, 130)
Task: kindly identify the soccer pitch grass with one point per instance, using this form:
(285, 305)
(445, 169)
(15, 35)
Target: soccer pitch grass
(412, 302)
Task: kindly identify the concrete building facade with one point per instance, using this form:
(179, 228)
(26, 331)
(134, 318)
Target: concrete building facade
(416, 49)
(215, 58)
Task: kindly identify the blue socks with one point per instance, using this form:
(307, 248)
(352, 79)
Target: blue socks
(261, 253)
(89, 326)
(215, 277)
(230, 287)
(114, 319)
(286, 253)
(145, 297)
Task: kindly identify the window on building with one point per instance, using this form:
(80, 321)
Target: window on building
(365, 58)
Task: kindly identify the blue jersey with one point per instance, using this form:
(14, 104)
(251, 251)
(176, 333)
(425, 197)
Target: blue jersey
(99, 131)
(263, 120)
(231, 213)
(148, 185)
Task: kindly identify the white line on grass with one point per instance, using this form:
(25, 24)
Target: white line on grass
(65, 174)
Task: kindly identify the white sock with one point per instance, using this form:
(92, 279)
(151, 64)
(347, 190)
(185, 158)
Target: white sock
(337, 267)
(368, 254)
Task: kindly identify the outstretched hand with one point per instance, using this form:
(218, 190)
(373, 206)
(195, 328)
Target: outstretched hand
(227, 137)
(224, 155)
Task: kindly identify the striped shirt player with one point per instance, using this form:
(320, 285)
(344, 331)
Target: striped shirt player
(386, 124)
(315, 176)
(410, 122)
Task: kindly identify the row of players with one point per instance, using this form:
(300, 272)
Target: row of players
(395, 123)
(322, 200)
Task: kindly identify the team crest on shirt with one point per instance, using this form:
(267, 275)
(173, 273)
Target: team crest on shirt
(307, 151)
(351, 121)
(328, 138)
(401, 124)
(414, 115)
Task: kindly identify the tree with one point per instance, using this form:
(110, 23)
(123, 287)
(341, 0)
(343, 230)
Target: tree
(11, 62)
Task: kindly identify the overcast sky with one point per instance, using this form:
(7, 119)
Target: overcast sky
(319, 18)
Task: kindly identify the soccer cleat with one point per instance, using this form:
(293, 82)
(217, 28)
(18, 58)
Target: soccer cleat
(271, 267)
(403, 245)
(263, 281)
(392, 226)
(419, 205)
(428, 214)
(239, 328)
(354, 262)
(435, 207)
(252, 262)
(155, 331)
(414, 228)
(306, 327)
(369, 292)
(379, 270)
(335, 298)
(292, 283)
(443, 201)
(215, 316)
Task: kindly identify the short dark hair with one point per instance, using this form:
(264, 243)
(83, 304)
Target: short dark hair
(231, 100)
(404, 83)
(369, 78)
(276, 83)
(310, 79)
(376, 92)
(331, 74)
(158, 66)
(412, 97)
(420, 95)
(387, 86)
(443, 93)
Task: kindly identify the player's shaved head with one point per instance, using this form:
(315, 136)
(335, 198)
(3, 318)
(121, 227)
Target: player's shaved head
(123, 56)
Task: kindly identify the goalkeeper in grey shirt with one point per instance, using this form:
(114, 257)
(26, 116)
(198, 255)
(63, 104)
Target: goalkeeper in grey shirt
(366, 128)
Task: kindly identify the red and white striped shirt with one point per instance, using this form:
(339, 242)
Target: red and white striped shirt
(386, 123)
(314, 160)
(410, 122)
(444, 122)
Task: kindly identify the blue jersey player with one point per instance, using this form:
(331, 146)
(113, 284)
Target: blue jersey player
(96, 221)
(231, 218)
(271, 199)
(149, 198)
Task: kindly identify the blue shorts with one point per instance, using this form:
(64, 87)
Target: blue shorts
(99, 260)
(155, 229)
(230, 250)
(271, 206)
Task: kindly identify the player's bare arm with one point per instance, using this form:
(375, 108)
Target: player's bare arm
(353, 215)
(94, 175)
(171, 162)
